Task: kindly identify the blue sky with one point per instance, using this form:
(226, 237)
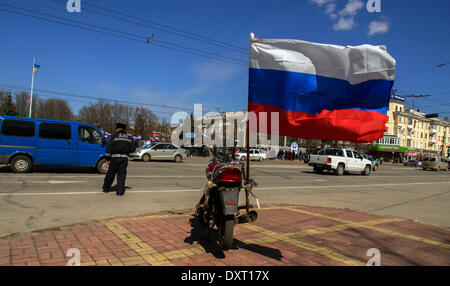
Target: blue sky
(92, 64)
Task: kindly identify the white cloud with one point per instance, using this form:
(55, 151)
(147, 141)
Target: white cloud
(351, 9)
(321, 2)
(347, 15)
(330, 8)
(378, 27)
(344, 24)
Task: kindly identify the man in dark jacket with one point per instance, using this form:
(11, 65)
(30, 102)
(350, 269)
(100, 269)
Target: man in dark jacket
(120, 145)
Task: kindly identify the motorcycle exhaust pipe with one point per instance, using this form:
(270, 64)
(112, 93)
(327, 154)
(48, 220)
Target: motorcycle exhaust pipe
(247, 218)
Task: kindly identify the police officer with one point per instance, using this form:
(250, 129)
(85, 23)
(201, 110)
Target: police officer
(120, 145)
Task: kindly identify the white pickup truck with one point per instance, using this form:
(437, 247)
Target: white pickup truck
(340, 161)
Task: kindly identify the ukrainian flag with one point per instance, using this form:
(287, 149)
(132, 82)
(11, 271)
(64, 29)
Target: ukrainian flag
(36, 67)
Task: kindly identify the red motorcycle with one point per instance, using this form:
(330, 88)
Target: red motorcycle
(219, 205)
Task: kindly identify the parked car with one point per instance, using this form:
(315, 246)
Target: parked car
(435, 163)
(413, 163)
(25, 142)
(371, 159)
(255, 154)
(160, 151)
(340, 161)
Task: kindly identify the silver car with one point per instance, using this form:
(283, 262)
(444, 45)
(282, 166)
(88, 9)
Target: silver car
(160, 151)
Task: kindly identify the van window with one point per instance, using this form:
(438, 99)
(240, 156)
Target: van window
(19, 128)
(88, 134)
(54, 131)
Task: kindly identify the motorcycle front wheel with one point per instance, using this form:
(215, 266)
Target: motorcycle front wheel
(227, 233)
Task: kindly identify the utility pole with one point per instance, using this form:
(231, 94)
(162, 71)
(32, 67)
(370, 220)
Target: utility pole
(31, 91)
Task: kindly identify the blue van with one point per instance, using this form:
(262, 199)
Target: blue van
(25, 142)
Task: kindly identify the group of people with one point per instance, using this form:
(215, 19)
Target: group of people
(290, 155)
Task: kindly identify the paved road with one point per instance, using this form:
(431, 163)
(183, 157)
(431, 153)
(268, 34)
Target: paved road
(51, 197)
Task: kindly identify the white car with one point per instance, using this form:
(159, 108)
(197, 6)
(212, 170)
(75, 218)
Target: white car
(255, 154)
(340, 161)
(160, 151)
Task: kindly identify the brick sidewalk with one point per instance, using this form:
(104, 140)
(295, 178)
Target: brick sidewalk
(282, 235)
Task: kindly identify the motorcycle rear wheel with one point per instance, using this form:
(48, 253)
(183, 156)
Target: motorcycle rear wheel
(227, 233)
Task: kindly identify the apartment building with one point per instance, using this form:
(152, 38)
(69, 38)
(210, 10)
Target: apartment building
(411, 135)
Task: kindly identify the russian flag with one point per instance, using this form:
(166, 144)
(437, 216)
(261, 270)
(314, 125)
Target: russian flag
(156, 133)
(321, 91)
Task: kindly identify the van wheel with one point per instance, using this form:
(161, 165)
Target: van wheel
(102, 166)
(375, 167)
(178, 159)
(261, 159)
(243, 158)
(339, 170)
(146, 158)
(21, 164)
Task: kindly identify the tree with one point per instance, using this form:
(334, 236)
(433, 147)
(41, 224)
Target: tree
(23, 103)
(105, 115)
(2, 97)
(8, 107)
(53, 108)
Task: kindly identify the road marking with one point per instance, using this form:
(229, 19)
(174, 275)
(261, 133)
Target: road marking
(394, 233)
(145, 251)
(308, 246)
(46, 182)
(322, 230)
(199, 189)
(354, 186)
(147, 254)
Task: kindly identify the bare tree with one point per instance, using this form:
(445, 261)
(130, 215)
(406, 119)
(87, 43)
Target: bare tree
(53, 108)
(22, 103)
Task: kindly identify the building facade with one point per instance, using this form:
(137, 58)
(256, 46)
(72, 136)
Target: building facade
(411, 135)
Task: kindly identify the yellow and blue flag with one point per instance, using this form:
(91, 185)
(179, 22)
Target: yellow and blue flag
(36, 67)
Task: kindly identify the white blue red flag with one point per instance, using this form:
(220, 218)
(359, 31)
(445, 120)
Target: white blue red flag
(322, 91)
(156, 133)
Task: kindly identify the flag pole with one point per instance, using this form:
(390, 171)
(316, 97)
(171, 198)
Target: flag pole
(247, 140)
(31, 91)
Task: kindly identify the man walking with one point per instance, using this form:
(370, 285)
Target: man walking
(120, 145)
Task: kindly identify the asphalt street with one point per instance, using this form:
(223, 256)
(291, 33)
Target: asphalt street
(51, 197)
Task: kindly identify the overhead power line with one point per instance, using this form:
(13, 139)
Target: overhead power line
(126, 35)
(22, 88)
(423, 70)
(161, 27)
